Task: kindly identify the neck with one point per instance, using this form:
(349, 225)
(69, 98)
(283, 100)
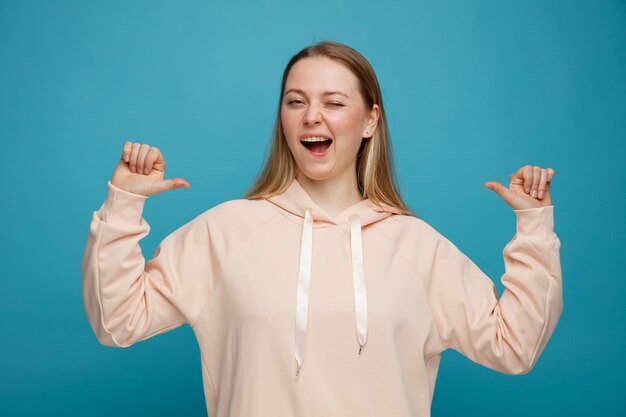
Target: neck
(333, 195)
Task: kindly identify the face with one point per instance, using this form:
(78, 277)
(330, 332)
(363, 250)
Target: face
(324, 118)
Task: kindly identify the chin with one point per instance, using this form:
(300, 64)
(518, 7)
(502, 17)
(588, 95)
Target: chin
(315, 175)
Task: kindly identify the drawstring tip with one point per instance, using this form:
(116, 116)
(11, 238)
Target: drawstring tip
(360, 349)
(298, 371)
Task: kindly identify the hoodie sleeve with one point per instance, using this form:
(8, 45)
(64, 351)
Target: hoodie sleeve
(128, 300)
(506, 334)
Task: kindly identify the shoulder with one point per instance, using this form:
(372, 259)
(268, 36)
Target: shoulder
(238, 213)
(236, 206)
(400, 224)
(417, 241)
(226, 224)
(410, 236)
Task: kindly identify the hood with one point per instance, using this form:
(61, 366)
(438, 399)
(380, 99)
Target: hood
(297, 201)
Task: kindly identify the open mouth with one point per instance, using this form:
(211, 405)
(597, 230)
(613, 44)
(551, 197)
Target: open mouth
(317, 144)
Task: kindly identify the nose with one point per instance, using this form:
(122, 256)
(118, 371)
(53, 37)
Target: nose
(312, 115)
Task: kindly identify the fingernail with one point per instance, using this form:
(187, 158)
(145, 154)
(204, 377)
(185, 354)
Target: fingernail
(146, 171)
(533, 193)
(540, 194)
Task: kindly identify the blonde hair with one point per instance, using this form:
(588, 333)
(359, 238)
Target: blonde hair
(374, 167)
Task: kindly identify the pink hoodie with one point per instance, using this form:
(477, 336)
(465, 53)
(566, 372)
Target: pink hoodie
(299, 313)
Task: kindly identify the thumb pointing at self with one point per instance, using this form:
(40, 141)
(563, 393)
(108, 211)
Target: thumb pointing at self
(507, 195)
(522, 192)
(171, 184)
(141, 170)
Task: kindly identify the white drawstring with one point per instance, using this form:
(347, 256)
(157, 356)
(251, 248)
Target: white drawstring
(304, 279)
(360, 299)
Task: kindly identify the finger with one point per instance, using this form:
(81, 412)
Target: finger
(166, 185)
(132, 160)
(152, 155)
(517, 178)
(507, 195)
(535, 182)
(159, 163)
(126, 150)
(551, 173)
(542, 183)
(527, 174)
(143, 151)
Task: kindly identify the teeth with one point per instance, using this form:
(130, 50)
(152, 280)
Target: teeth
(315, 139)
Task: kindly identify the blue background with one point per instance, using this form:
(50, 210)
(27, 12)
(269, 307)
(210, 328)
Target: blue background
(473, 90)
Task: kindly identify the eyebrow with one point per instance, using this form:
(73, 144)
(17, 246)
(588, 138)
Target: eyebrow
(325, 93)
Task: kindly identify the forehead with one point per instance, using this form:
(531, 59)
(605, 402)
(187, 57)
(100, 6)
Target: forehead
(318, 74)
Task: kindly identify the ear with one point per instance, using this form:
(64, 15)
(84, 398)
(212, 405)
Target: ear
(371, 122)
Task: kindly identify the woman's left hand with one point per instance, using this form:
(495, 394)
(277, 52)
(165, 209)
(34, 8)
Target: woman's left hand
(529, 187)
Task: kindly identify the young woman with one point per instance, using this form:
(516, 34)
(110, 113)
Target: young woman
(320, 293)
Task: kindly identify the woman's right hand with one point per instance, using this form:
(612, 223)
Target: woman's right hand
(141, 170)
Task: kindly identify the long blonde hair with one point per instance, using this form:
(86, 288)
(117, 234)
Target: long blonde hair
(374, 167)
